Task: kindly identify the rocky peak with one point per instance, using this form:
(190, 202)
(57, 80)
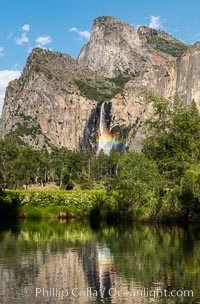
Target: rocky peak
(162, 41)
(114, 47)
(57, 99)
(54, 65)
(44, 102)
(110, 28)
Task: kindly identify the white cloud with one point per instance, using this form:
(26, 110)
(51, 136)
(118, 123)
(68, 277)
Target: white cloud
(73, 29)
(5, 77)
(1, 51)
(23, 39)
(26, 27)
(43, 40)
(155, 22)
(82, 34)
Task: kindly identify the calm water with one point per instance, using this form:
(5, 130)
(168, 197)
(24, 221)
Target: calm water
(53, 262)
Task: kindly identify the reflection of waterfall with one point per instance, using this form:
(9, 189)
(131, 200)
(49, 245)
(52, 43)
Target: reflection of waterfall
(105, 140)
(98, 266)
(105, 266)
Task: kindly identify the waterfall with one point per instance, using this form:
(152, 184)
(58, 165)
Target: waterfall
(105, 140)
(102, 122)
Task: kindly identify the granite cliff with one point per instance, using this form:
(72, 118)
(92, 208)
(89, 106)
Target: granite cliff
(43, 106)
(57, 100)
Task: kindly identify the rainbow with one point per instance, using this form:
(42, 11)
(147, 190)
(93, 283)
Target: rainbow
(105, 140)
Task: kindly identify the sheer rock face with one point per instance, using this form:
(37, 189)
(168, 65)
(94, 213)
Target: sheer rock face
(116, 47)
(188, 75)
(45, 106)
(112, 48)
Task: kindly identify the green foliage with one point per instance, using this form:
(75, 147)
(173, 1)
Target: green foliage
(72, 203)
(21, 165)
(173, 47)
(96, 204)
(170, 208)
(26, 129)
(9, 149)
(8, 204)
(174, 137)
(138, 181)
(103, 89)
(174, 144)
(56, 203)
(27, 165)
(160, 183)
(190, 191)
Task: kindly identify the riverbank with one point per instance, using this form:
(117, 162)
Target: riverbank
(91, 204)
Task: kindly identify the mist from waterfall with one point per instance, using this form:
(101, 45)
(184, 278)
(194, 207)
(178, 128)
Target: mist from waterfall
(105, 139)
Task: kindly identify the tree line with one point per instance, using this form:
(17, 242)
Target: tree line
(165, 175)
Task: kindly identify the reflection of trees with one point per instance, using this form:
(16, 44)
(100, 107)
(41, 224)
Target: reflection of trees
(23, 239)
(156, 256)
(147, 256)
(34, 252)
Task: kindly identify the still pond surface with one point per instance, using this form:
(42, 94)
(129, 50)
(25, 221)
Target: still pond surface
(73, 262)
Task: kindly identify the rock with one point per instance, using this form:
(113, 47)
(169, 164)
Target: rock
(162, 42)
(57, 99)
(188, 71)
(115, 47)
(43, 106)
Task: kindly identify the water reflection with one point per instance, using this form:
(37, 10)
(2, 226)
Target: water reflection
(52, 262)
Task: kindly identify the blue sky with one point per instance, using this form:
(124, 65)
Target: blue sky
(65, 26)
